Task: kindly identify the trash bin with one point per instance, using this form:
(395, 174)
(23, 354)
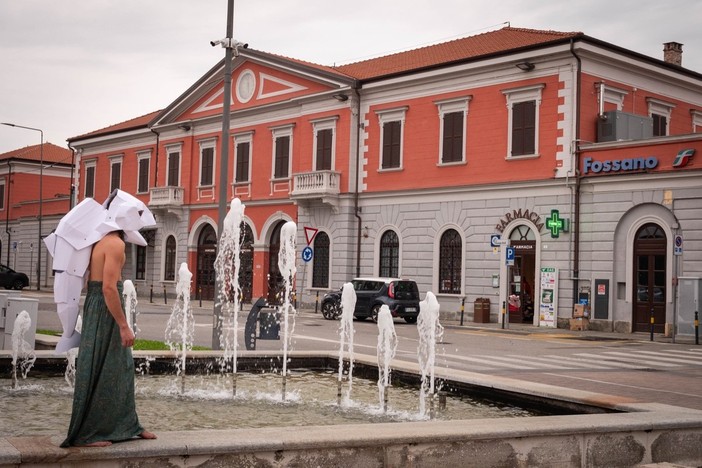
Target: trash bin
(481, 310)
(268, 324)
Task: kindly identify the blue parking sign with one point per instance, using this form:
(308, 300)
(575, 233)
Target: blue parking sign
(509, 255)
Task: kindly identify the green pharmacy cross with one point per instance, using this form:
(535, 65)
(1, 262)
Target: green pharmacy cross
(556, 224)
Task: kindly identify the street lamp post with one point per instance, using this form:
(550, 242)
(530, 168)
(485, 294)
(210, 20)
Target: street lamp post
(41, 192)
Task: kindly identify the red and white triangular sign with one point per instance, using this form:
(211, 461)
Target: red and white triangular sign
(309, 234)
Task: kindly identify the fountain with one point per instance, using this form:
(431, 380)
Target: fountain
(348, 304)
(430, 331)
(286, 264)
(71, 355)
(22, 353)
(227, 265)
(387, 346)
(181, 324)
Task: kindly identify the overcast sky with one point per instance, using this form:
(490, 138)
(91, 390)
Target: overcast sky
(69, 67)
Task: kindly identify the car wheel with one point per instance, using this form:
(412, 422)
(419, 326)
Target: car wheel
(412, 319)
(374, 312)
(331, 310)
(19, 285)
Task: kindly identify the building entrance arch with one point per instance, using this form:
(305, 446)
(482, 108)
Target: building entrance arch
(650, 260)
(206, 255)
(522, 275)
(275, 279)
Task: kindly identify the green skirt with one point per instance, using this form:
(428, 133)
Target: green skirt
(103, 398)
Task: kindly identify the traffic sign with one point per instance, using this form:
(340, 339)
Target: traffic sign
(307, 254)
(509, 255)
(309, 234)
(678, 245)
(495, 240)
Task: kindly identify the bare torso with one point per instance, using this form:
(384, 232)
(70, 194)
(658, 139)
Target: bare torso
(110, 249)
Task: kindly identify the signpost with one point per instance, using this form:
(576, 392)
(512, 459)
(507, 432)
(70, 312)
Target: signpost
(678, 245)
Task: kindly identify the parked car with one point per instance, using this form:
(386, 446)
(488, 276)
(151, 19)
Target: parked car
(11, 279)
(400, 295)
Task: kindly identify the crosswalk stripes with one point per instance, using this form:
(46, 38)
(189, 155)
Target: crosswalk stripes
(603, 360)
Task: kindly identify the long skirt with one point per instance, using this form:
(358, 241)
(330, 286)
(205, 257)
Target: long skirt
(103, 398)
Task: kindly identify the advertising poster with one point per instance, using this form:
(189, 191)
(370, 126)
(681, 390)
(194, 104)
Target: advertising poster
(548, 300)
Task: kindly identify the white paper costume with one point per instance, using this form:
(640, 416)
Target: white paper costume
(71, 244)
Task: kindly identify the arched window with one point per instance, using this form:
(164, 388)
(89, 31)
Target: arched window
(169, 259)
(389, 255)
(450, 261)
(320, 261)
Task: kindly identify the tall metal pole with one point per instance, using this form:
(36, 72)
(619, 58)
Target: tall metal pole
(229, 47)
(41, 193)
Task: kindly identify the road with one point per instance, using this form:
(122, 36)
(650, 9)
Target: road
(626, 365)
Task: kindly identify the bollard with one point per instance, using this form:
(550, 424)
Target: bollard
(463, 308)
(199, 294)
(151, 294)
(503, 314)
(697, 329)
(316, 302)
(652, 323)
(165, 300)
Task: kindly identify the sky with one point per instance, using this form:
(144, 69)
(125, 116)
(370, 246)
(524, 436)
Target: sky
(69, 67)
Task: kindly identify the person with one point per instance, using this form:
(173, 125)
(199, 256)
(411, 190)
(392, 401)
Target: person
(104, 409)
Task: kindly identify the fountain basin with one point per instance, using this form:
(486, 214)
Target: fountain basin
(633, 434)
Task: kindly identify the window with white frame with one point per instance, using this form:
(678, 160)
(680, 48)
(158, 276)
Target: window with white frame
(143, 160)
(324, 143)
(173, 166)
(282, 144)
(140, 262)
(614, 96)
(696, 120)
(453, 115)
(392, 123)
(115, 172)
(207, 163)
(450, 262)
(89, 184)
(389, 255)
(320, 261)
(2, 193)
(169, 259)
(242, 152)
(523, 120)
(660, 111)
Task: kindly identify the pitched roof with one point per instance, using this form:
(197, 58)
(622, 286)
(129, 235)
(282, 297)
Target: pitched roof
(49, 153)
(491, 43)
(503, 40)
(131, 124)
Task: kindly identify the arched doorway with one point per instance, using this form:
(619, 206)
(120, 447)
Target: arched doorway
(522, 275)
(650, 277)
(275, 279)
(246, 263)
(206, 254)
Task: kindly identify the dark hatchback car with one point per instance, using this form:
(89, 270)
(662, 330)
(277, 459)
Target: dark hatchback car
(11, 279)
(400, 295)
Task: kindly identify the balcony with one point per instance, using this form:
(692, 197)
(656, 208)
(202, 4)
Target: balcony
(318, 185)
(166, 198)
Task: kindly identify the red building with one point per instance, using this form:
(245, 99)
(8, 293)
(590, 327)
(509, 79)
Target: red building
(21, 178)
(408, 165)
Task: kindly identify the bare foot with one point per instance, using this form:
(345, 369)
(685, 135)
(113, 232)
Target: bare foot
(147, 435)
(101, 443)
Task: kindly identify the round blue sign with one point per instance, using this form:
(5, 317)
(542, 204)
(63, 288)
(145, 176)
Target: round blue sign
(307, 254)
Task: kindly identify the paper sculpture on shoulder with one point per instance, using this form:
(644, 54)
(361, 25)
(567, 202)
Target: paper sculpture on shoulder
(72, 242)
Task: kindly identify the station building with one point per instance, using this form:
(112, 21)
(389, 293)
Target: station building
(549, 166)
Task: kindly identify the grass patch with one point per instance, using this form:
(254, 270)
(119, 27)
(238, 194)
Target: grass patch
(139, 344)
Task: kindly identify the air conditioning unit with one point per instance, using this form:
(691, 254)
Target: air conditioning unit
(618, 126)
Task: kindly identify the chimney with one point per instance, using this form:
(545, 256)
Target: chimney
(672, 53)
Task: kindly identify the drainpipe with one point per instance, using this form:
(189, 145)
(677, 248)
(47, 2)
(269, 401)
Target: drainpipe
(158, 138)
(576, 190)
(356, 209)
(72, 190)
(7, 211)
